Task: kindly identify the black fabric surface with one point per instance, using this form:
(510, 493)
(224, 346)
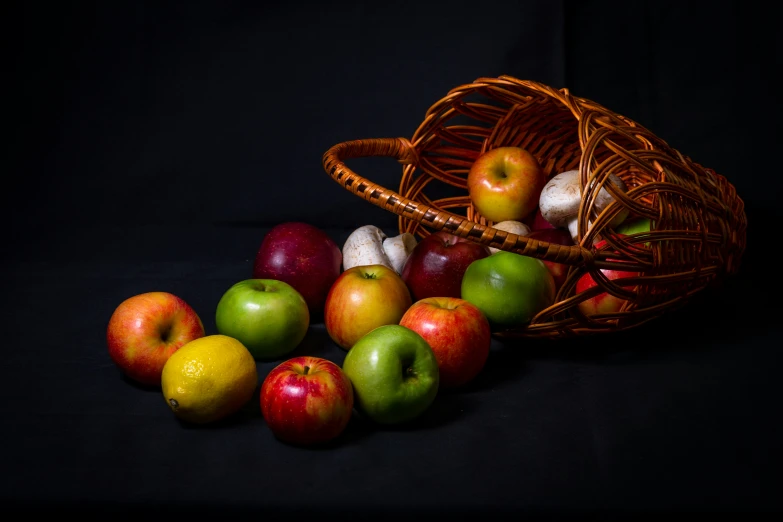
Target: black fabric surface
(153, 146)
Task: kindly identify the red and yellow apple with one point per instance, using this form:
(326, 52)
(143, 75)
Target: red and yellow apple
(559, 236)
(458, 334)
(363, 298)
(604, 302)
(505, 183)
(306, 400)
(144, 330)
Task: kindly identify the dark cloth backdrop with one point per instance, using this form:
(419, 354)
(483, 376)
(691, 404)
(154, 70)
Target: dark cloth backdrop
(153, 144)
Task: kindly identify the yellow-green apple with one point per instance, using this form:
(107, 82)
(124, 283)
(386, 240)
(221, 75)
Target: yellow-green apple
(363, 298)
(306, 400)
(504, 183)
(458, 334)
(604, 302)
(305, 257)
(394, 374)
(509, 288)
(437, 263)
(558, 236)
(145, 329)
(268, 316)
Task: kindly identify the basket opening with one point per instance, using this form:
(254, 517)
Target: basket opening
(699, 224)
(466, 124)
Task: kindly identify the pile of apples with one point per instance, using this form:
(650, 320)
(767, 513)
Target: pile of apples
(413, 316)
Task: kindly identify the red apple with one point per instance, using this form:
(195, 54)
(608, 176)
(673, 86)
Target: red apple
(146, 329)
(505, 183)
(605, 302)
(437, 263)
(303, 256)
(457, 332)
(539, 223)
(306, 400)
(363, 298)
(559, 236)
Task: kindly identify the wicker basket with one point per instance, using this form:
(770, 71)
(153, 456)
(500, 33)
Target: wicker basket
(698, 231)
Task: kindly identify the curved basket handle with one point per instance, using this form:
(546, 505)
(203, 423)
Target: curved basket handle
(403, 150)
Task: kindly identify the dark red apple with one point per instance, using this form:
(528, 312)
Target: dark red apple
(559, 236)
(436, 265)
(605, 302)
(538, 222)
(305, 257)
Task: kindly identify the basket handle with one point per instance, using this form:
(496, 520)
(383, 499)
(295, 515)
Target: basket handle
(405, 153)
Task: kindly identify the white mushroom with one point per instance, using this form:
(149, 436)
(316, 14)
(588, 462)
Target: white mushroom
(573, 229)
(560, 198)
(398, 248)
(515, 227)
(365, 247)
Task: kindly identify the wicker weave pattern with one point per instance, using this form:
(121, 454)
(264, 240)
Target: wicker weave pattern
(699, 231)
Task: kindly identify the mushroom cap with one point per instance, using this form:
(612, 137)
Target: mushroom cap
(515, 227)
(398, 248)
(365, 247)
(559, 199)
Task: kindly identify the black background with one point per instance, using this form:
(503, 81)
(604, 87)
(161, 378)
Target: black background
(152, 145)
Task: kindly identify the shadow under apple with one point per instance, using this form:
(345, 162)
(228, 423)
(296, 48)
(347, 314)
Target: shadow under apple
(708, 319)
(250, 412)
(444, 410)
(503, 363)
(317, 343)
(138, 385)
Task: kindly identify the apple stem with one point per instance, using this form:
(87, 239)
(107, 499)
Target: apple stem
(306, 369)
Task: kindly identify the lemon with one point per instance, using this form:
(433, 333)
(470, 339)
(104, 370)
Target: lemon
(209, 378)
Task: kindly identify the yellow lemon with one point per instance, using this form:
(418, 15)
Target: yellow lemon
(209, 378)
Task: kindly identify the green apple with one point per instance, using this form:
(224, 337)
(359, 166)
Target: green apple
(268, 316)
(633, 226)
(394, 374)
(509, 288)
